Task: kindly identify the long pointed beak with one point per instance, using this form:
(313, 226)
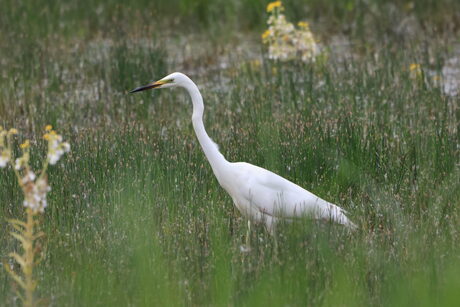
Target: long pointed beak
(148, 86)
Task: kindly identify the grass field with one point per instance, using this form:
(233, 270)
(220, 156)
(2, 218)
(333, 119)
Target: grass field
(136, 217)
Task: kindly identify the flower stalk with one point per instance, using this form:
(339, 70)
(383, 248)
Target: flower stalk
(35, 191)
(285, 41)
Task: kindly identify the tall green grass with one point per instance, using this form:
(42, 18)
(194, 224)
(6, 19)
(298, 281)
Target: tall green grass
(70, 20)
(136, 216)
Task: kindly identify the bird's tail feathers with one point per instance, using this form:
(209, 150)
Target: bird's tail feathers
(338, 215)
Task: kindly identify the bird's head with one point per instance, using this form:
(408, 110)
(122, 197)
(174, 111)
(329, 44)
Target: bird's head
(172, 80)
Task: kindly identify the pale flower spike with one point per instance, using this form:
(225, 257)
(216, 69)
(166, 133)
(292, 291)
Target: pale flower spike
(285, 41)
(4, 159)
(35, 189)
(56, 148)
(36, 198)
(5, 152)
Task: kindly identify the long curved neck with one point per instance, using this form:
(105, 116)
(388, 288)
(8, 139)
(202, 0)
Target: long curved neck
(215, 158)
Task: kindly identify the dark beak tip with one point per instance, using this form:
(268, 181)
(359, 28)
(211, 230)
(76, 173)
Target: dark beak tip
(143, 88)
(139, 89)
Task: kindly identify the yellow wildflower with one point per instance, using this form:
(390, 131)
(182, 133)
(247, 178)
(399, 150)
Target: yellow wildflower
(25, 145)
(414, 66)
(255, 64)
(303, 24)
(13, 131)
(47, 136)
(265, 34)
(48, 128)
(272, 5)
(409, 6)
(415, 71)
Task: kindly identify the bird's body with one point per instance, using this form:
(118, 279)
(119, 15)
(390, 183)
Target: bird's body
(258, 194)
(267, 197)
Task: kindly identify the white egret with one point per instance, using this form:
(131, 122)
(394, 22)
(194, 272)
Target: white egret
(259, 194)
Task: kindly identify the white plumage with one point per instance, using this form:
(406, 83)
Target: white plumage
(258, 194)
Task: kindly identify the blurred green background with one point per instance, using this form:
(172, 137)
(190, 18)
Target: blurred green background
(136, 217)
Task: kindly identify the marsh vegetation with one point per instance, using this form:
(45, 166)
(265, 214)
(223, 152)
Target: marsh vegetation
(135, 216)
